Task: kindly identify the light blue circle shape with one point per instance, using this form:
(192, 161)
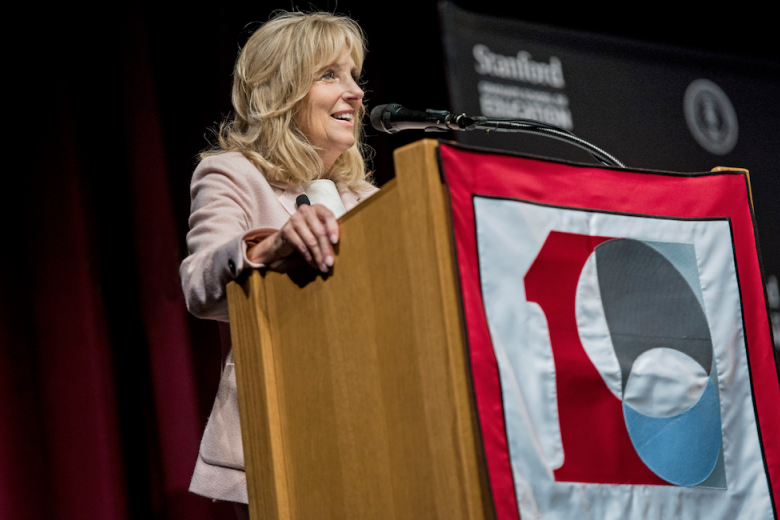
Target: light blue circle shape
(682, 449)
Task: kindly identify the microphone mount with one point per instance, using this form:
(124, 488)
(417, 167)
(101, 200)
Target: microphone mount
(393, 118)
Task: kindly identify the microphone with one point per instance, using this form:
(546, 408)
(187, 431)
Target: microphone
(302, 200)
(393, 118)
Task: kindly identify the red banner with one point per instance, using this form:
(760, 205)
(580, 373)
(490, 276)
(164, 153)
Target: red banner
(619, 339)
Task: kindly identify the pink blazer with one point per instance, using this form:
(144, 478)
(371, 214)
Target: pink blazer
(231, 201)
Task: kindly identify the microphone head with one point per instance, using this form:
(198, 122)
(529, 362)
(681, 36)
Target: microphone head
(376, 118)
(302, 200)
(381, 117)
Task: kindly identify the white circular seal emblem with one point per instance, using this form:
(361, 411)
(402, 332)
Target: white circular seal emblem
(710, 117)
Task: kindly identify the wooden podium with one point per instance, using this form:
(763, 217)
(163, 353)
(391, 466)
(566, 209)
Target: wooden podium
(355, 393)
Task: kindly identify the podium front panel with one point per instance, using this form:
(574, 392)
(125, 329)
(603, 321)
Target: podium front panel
(619, 339)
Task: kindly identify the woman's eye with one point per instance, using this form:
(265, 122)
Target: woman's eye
(329, 75)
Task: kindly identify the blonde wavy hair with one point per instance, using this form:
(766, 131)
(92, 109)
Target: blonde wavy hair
(272, 76)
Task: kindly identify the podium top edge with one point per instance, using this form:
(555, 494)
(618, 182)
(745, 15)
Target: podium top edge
(718, 170)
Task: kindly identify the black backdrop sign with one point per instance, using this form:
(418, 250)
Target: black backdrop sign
(650, 106)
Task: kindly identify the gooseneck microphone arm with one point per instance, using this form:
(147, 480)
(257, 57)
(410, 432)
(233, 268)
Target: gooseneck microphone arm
(394, 118)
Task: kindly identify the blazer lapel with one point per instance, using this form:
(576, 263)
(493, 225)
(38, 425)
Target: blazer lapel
(348, 197)
(288, 194)
(352, 198)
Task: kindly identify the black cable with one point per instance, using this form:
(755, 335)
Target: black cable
(529, 126)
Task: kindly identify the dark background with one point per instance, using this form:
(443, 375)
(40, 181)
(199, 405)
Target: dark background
(105, 381)
(626, 96)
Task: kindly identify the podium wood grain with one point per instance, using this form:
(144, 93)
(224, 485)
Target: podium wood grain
(354, 390)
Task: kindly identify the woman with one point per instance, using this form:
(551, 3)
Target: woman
(297, 112)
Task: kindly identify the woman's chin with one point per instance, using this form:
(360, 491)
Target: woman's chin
(341, 148)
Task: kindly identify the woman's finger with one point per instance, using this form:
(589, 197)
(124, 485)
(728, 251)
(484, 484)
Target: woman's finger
(327, 217)
(290, 234)
(309, 231)
(319, 230)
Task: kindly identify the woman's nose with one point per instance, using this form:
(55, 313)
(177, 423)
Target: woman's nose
(353, 91)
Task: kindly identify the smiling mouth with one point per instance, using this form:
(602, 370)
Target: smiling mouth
(343, 117)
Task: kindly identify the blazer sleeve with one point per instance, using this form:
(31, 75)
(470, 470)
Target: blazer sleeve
(224, 198)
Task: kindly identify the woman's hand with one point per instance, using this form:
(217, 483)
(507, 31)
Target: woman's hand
(312, 231)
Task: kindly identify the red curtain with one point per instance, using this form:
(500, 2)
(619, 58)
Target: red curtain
(101, 403)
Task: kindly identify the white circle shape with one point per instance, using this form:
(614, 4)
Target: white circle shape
(593, 329)
(664, 382)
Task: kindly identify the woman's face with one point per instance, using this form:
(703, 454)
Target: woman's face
(330, 108)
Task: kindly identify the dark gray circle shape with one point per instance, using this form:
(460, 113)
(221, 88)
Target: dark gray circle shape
(648, 304)
(710, 117)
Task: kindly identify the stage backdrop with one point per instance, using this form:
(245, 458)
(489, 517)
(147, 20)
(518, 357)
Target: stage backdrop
(650, 106)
